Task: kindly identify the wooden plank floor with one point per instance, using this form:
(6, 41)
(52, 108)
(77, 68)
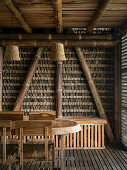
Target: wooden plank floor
(111, 158)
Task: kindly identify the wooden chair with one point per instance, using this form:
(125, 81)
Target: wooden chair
(35, 150)
(42, 115)
(8, 150)
(11, 115)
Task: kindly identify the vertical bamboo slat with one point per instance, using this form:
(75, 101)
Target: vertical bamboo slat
(88, 136)
(103, 136)
(56, 141)
(85, 137)
(78, 139)
(74, 140)
(99, 135)
(92, 135)
(71, 140)
(81, 136)
(95, 135)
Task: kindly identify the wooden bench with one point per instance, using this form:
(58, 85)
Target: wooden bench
(35, 150)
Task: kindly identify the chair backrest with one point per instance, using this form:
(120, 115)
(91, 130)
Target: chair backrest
(5, 124)
(42, 115)
(34, 127)
(11, 115)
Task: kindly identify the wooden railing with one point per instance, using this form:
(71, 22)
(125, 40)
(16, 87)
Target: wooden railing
(91, 135)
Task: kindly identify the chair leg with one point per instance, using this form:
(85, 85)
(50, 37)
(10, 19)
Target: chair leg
(17, 166)
(9, 163)
(51, 165)
(9, 166)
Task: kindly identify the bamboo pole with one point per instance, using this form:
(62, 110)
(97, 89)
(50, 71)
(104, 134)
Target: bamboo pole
(27, 80)
(12, 7)
(54, 37)
(1, 70)
(39, 43)
(59, 89)
(57, 7)
(97, 15)
(94, 92)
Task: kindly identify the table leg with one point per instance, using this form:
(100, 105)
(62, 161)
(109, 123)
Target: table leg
(62, 153)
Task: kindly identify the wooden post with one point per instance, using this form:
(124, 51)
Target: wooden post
(59, 89)
(4, 145)
(98, 13)
(62, 153)
(94, 92)
(12, 7)
(117, 110)
(57, 7)
(1, 69)
(57, 54)
(21, 147)
(27, 81)
(46, 146)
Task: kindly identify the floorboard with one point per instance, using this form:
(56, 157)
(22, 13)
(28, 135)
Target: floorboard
(110, 158)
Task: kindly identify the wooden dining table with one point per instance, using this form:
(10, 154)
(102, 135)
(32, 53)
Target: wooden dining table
(62, 128)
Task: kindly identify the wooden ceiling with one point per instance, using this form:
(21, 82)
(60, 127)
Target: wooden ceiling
(75, 13)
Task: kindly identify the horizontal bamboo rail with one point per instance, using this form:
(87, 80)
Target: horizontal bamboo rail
(38, 43)
(54, 37)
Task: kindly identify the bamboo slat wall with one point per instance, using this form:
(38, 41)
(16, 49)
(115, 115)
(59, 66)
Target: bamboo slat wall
(124, 91)
(77, 97)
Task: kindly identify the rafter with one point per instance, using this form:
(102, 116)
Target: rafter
(97, 15)
(12, 7)
(57, 7)
(27, 80)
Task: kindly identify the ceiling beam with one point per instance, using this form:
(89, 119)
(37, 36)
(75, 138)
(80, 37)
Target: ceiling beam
(57, 7)
(12, 7)
(97, 15)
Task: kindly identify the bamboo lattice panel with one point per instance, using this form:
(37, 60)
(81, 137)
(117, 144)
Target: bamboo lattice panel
(124, 91)
(77, 97)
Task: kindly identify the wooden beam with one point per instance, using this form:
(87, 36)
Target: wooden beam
(59, 89)
(12, 7)
(27, 80)
(71, 43)
(97, 15)
(54, 37)
(95, 94)
(117, 109)
(57, 7)
(1, 70)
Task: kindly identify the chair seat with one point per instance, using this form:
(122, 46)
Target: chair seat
(37, 151)
(11, 149)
